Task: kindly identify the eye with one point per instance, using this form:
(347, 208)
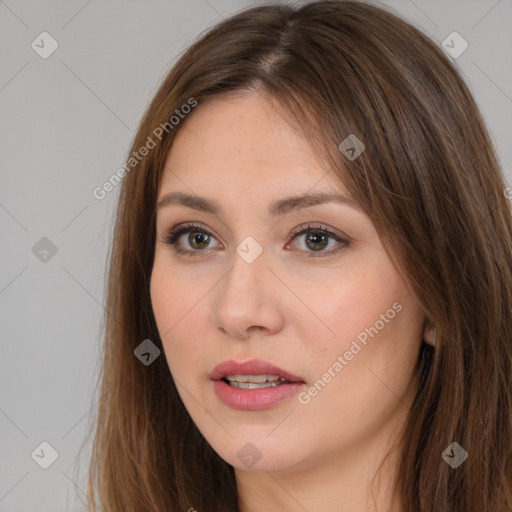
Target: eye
(198, 238)
(317, 238)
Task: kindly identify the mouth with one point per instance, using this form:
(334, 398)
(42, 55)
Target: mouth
(253, 384)
(254, 381)
(254, 371)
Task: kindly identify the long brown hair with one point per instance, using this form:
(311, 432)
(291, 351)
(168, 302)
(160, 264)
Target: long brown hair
(430, 181)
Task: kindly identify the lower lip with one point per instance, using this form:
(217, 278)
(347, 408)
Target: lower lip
(253, 399)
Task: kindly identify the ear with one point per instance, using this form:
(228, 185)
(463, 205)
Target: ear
(429, 335)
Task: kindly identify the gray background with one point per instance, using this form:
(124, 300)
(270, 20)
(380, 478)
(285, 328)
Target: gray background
(66, 123)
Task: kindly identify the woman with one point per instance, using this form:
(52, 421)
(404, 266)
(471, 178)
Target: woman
(310, 292)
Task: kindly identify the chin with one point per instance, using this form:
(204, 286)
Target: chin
(259, 454)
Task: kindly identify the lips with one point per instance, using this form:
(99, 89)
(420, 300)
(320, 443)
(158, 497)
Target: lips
(252, 367)
(246, 395)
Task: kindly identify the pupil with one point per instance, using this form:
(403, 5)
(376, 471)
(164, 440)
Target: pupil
(193, 239)
(317, 238)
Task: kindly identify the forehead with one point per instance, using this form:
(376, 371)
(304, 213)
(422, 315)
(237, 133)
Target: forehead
(244, 140)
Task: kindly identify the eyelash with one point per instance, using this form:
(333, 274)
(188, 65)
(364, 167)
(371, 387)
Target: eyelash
(176, 232)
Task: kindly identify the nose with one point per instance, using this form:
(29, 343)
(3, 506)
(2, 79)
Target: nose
(247, 300)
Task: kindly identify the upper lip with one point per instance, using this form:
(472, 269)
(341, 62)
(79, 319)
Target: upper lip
(251, 367)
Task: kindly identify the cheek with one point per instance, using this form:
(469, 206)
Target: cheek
(374, 326)
(356, 304)
(379, 345)
(173, 295)
(372, 381)
(176, 305)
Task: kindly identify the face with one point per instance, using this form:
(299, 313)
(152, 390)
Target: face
(307, 288)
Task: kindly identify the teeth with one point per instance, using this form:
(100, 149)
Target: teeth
(252, 385)
(254, 379)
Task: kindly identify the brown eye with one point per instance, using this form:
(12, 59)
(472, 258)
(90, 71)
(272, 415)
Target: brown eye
(198, 239)
(316, 240)
(195, 243)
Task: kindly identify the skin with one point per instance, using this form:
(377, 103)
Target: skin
(297, 312)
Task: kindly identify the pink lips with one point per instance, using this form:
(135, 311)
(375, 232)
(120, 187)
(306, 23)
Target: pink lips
(252, 399)
(252, 367)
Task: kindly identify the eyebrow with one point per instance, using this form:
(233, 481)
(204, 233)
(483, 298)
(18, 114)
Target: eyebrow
(276, 208)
